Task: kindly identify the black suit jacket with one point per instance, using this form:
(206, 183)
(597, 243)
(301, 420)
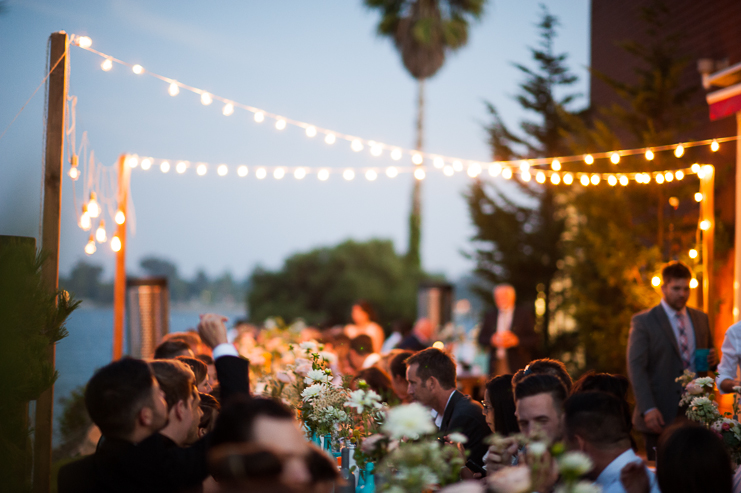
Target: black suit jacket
(412, 343)
(155, 464)
(523, 326)
(466, 416)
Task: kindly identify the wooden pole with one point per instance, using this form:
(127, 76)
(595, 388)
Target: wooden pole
(119, 287)
(707, 213)
(737, 241)
(51, 219)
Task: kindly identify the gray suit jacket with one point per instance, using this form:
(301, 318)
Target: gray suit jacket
(654, 362)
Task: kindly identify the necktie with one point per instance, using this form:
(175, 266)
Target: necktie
(684, 346)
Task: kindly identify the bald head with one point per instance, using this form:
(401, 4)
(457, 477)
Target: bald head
(504, 296)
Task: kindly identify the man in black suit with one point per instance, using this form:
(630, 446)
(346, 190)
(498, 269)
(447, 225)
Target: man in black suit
(432, 382)
(125, 401)
(661, 345)
(508, 331)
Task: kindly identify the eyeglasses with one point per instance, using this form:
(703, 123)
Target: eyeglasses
(486, 406)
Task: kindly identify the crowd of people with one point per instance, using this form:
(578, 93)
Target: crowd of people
(187, 420)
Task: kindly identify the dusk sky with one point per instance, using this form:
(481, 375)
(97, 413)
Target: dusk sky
(319, 62)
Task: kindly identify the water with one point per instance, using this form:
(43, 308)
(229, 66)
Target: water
(90, 346)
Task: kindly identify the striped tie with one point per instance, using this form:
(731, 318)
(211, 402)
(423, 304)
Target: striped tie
(684, 345)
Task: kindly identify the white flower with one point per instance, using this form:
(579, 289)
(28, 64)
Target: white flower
(580, 487)
(316, 376)
(408, 421)
(303, 366)
(704, 382)
(464, 487)
(311, 391)
(536, 449)
(330, 357)
(360, 399)
(693, 389)
(457, 437)
(510, 480)
(574, 464)
(308, 346)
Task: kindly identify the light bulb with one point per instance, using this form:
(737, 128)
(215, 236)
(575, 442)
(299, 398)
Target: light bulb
(525, 176)
(392, 172)
(206, 99)
(649, 155)
(222, 170)
(376, 150)
(439, 345)
(371, 175)
(524, 166)
(474, 170)
(419, 174)
(396, 154)
(589, 159)
(181, 167)
(615, 158)
(695, 168)
(714, 146)
(624, 180)
(261, 173)
(679, 151)
(612, 180)
(449, 171)
(694, 283)
(584, 180)
(174, 89)
(93, 209)
(701, 173)
(165, 167)
(201, 169)
(669, 176)
(457, 165)
(228, 109)
(646, 178)
(568, 179)
(540, 177)
(708, 168)
(116, 244)
(704, 225)
(280, 124)
(656, 281)
(106, 65)
(132, 161)
(495, 169)
(595, 179)
(323, 174)
(279, 173)
(85, 222)
(146, 163)
(348, 174)
(242, 171)
(74, 173)
(698, 197)
(438, 162)
(137, 69)
(417, 158)
(555, 178)
(84, 42)
(311, 131)
(330, 139)
(120, 217)
(693, 253)
(299, 173)
(356, 145)
(659, 178)
(100, 233)
(90, 247)
(507, 173)
(259, 117)
(556, 165)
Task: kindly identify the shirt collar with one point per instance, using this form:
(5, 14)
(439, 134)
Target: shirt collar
(671, 312)
(611, 473)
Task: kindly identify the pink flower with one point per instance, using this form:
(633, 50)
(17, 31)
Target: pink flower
(285, 377)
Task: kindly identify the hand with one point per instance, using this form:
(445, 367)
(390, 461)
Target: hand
(712, 358)
(654, 421)
(728, 384)
(634, 478)
(504, 340)
(501, 456)
(544, 471)
(212, 329)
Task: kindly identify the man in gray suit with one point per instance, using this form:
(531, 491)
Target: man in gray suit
(661, 345)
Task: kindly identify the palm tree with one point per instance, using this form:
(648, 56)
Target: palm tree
(423, 32)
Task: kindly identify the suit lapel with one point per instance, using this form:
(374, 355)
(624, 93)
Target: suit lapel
(660, 316)
(448, 414)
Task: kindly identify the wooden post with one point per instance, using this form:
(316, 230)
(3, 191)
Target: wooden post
(119, 287)
(51, 217)
(707, 213)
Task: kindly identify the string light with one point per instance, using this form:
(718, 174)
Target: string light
(371, 175)
(242, 171)
(259, 117)
(694, 283)
(524, 166)
(120, 217)
(656, 281)
(704, 225)
(679, 151)
(595, 179)
(280, 124)
(624, 180)
(311, 131)
(494, 170)
(612, 180)
(181, 167)
(714, 146)
(100, 232)
(417, 158)
(698, 197)
(323, 174)
(299, 173)
(458, 166)
(396, 154)
(90, 247)
(132, 161)
(376, 150)
(589, 159)
(279, 173)
(679, 174)
(392, 172)
(659, 178)
(174, 89)
(649, 155)
(228, 109)
(438, 162)
(330, 139)
(74, 173)
(261, 173)
(348, 174)
(85, 222)
(419, 174)
(106, 65)
(201, 169)
(540, 177)
(93, 209)
(695, 168)
(206, 99)
(84, 41)
(701, 173)
(708, 168)
(116, 244)
(507, 173)
(615, 158)
(693, 253)
(356, 145)
(222, 170)
(525, 176)
(165, 167)
(584, 180)
(556, 165)
(146, 163)
(474, 170)
(555, 178)
(669, 176)
(449, 171)
(568, 179)
(137, 69)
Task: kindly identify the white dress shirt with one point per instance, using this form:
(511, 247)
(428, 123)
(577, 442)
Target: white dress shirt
(729, 362)
(609, 478)
(504, 324)
(439, 417)
(673, 314)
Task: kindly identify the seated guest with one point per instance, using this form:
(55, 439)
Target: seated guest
(200, 370)
(211, 377)
(594, 423)
(432, 380)
(545, 366)
(363, 318)
(378, 381)
(183, 411)
(617, 385)
(693, 459)
(398, 368)
(399, 330)
(209, 412)
(267, 424)
(420, 337)
(499, 406)
(125, 401)
(361, 353)
(172, 349)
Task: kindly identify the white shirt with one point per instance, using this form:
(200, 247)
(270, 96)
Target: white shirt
(672, 314)
(225, 349)
(729, 362)
(439, 417)
(609, 478)
(371, 360)
(504, 324)
(390, 343)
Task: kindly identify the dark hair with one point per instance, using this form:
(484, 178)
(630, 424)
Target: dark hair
(362, 344)
(245, 468)
(199, 368)
(236, 420)
(367, 308)
(398, 365)
(210, 408)
(597, 417)
(675, 270)
(693, 459)
(176, 380)
(205, 359)
(116, 393)
(321, 467)
(616, 385)
(403, 327)
(377, 380)
(171, 349)
(541, 384)
(434, 363)
(502, 401)
(545, 366)
(190, 337)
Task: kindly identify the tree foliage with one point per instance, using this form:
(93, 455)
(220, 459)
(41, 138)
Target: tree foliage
(321, 285)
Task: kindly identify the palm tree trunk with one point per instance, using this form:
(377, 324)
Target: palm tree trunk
(415, 218)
